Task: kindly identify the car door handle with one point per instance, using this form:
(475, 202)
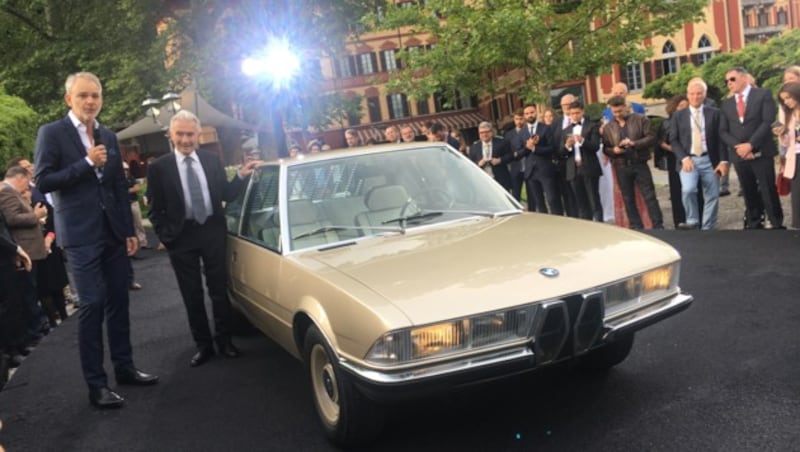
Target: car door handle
(234, 256)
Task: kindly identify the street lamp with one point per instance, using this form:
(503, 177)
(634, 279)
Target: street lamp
(170, 102)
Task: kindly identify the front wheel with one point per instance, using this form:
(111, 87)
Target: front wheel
(608, 355)
(349, 418)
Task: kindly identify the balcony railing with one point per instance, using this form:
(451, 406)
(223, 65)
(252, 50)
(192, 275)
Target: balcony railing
(746, 3)
(763, 30)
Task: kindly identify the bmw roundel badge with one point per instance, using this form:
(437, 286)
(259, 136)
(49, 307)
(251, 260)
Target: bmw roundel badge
(550, 272)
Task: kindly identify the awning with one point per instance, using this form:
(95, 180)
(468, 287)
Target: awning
(191, 101)
(453, 121)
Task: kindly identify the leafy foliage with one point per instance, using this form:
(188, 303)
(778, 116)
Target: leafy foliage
(45, 40)
(672, 84)
(548, 41)
(18, 124)
(765, 62)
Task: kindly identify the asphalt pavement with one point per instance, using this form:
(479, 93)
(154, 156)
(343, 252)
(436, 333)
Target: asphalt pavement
(723, 375)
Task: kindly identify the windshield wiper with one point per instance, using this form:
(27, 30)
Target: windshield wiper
(416, 216)
(484, 213)
(323, 229)
(320, 230)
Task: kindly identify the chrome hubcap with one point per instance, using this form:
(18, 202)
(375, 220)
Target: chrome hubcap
(323, 379)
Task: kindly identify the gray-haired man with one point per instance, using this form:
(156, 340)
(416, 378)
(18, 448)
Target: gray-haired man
(493, 154)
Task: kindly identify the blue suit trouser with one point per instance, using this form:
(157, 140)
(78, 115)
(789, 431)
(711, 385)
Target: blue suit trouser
(100, 274)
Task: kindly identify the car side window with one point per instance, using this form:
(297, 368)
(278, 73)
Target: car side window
(261, 222)
(233, 212)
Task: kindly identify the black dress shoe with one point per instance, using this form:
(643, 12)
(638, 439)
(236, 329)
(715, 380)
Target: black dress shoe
(724, 193)
(687, 226)
(228, 349)
(105, 398)
(202, 355)
(135, 377)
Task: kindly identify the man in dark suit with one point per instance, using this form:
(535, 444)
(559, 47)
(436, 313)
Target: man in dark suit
(627, 140)
(187, 188)
(25, 222)
(695, 141)
(392, 134)
(12, 259)
(516, 169)
(437, 132)
(745, 127)
(565, 187)
(580, 143)
(80, 163)
(540, 173)
(492, 154)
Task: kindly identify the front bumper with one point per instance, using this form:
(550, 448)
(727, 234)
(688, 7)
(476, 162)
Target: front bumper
(559, 336)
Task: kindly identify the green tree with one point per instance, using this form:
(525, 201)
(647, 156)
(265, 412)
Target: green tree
(549, 42)
(18, 124)
(45, 40)
(671, 84)
(765, 62)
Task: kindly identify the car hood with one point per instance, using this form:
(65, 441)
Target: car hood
(481, 265)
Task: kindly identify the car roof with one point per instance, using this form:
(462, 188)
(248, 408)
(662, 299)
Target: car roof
(356, 151)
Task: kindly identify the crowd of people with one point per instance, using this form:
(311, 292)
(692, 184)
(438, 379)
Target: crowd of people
(33, 298)
(600, 170)
(70, 221)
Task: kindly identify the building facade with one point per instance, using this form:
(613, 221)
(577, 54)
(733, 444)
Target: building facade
(364, 70)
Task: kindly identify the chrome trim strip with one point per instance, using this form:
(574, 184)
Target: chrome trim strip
(462, 365)
(647, 315)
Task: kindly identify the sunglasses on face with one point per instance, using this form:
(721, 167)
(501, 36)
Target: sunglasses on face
(730, 80)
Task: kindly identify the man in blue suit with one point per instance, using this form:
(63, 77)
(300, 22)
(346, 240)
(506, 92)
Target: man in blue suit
(79, 162)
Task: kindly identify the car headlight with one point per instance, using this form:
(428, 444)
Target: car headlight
(455, 336)
(641, 289)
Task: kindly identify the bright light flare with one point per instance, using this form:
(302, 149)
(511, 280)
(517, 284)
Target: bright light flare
(277, 64)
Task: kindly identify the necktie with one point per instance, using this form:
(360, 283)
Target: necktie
(199, 212)
(697, 135)
(740, 105)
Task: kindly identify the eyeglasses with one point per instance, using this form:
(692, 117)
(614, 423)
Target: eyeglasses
(730, 80)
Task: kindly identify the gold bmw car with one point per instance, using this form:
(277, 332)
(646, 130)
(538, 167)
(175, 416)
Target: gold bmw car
(402, 270)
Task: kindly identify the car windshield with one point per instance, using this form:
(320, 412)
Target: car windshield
(374, 193)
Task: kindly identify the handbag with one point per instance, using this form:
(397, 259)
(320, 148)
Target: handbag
(783, 184)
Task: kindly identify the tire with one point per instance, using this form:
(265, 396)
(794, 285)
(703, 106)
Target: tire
(608, 355)
(348, 418)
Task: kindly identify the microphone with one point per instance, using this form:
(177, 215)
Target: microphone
(98, 141)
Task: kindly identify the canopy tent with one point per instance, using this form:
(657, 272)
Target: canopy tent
(191, 101)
